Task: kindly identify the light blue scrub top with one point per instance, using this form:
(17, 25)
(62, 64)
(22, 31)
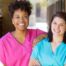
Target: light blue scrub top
(44, 54)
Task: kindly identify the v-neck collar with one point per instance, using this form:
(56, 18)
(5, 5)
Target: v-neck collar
(57, 48)
(17, 42)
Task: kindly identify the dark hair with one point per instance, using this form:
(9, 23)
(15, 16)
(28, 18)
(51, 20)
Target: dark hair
(23, 5)
(61, 15)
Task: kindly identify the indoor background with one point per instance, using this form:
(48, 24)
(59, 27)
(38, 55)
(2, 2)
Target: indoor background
(41, 14)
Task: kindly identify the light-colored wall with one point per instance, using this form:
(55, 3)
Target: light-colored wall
(7, 26)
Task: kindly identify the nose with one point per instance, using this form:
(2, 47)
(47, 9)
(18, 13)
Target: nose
(57, 26)
(21, 19)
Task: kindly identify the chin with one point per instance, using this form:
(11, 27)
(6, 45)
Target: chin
(57, 34)
(22, 29)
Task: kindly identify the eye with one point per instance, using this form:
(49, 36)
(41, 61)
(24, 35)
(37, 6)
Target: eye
(61, 24)
(25, 17)
(54, 23)
(17, 17)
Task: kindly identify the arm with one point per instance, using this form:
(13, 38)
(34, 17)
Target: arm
(2, 57)
(33, 62)
(65, 62)
(1, 64)
(40, 37)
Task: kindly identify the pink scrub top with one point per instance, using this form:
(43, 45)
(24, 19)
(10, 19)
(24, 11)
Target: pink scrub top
(13, 53)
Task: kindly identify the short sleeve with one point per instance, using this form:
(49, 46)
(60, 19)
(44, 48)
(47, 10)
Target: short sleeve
(34, 33)
(34, 54)
(65, 61)
(39, 32)
(2, 56)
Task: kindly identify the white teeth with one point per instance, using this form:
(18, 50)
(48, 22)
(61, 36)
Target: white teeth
(21, 24)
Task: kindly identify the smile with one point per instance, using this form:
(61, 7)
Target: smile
(21, 24)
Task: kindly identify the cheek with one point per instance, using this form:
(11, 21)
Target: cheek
(63, 29)
(27, 22)
(52, 26)
(14, 22)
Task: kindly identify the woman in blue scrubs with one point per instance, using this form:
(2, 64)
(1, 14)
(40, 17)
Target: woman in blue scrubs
(51, 51)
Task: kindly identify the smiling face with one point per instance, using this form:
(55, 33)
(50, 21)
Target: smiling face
(20, 20)
(58, 26)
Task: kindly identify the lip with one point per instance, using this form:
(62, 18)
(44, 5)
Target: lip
(56, 32)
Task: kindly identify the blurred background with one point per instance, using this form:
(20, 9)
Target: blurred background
(41, 14)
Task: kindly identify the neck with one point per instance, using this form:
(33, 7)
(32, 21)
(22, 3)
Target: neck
(57, 39)
(19, 33)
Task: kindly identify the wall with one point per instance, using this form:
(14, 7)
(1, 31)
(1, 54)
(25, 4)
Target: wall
(6, 24)
(65, 5)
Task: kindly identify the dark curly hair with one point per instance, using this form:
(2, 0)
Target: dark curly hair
(23, 5)
(61, 15)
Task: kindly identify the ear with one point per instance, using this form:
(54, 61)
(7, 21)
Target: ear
(12, 21)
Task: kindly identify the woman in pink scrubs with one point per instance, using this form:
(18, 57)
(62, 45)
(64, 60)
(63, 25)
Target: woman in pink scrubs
(16, 46)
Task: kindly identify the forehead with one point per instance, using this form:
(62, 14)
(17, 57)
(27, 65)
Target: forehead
(59, 20)
(21, 12)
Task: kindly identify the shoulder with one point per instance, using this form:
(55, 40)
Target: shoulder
(42, 43)
(63, 45)
(45, 40)
(63, 48)
(36, 30)
(32, 30)
(4, 37)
